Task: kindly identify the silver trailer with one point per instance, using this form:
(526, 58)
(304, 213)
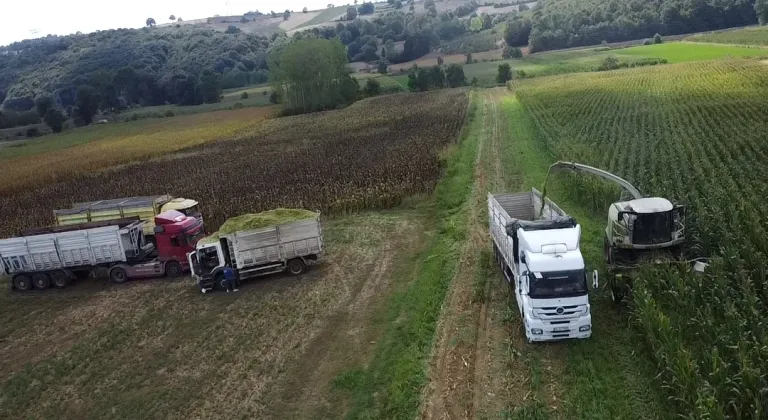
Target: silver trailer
(289, 247)
(537, 249)
(55, 256)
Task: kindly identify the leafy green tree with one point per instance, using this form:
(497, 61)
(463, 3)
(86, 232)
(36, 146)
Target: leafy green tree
(432, 11)
(383, 66)
(657, 39)
(436, 77)
(366, 9)
(87, 100)
(418, 79)
(511, 52)
(232, 29)
(351, 13)
(440, 61)
(523, 7)
(429, 3)
(151, 22)
(469, 59)
(504, 74)
(172, 18)
(398, 4)
(372, 87)
(517, 32)
(304, 10)
(476, 24)
(454, 76)
(327, 86)
(125, 81)
(54, 118)
(610, 63)
(286, 15)
(761, 8)
(209, 87)
(487, 20)
(43, 104)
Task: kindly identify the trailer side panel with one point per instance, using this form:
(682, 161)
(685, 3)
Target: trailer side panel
(276, 244)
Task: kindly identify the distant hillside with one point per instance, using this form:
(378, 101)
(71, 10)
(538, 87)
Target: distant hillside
(158, 64)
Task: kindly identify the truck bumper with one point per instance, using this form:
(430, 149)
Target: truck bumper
(545, 331)
(205, 283)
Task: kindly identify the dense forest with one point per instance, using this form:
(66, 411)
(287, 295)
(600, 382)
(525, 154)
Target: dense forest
(571, 23)
(150, 66)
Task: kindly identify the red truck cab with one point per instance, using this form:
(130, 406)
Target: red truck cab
(176, 235)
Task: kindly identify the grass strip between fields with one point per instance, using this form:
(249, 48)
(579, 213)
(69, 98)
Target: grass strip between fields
(390, 386)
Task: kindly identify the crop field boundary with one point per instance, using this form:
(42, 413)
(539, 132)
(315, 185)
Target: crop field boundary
(388, 387)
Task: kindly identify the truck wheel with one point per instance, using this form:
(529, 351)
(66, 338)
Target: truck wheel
(296, 267)
(22, 283)
(220, 282)
(60, 279)
(41, 281)
(173, 269)
(118, 275)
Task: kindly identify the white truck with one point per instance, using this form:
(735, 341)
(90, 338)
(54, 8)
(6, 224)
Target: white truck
(289, 247)
(55, 256)
(538, 251)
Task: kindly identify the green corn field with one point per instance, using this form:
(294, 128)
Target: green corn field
(695, 133)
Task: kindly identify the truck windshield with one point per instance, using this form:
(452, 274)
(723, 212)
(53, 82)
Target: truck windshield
(652, 228)
(557, 284)
(193, 237)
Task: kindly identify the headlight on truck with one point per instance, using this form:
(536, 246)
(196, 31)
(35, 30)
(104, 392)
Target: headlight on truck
(585, 328)
(537, 331)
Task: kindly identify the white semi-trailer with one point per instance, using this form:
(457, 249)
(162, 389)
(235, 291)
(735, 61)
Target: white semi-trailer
(537, 248)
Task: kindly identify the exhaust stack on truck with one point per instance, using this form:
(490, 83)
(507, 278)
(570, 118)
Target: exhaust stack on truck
(539, 256)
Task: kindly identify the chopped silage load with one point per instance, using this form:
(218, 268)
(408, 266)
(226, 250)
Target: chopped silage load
(258, 221)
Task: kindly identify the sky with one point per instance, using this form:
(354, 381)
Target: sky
(24, 19)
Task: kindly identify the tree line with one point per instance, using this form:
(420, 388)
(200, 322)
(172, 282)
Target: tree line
(125, 68)
(570, 23)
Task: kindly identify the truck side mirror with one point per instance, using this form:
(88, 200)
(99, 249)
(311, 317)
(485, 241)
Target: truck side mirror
(522, 258)
(595, 282)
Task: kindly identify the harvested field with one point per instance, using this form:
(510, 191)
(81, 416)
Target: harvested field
(370, 155)
(160, 349)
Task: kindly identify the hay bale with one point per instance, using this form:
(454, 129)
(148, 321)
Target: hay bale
(259, 221)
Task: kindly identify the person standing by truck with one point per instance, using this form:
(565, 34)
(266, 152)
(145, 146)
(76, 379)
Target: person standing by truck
(231, 278)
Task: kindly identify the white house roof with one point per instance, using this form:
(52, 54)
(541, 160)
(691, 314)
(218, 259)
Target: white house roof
(647, 205)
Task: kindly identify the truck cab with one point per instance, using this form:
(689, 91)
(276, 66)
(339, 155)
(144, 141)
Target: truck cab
(207, 261)
(176, 235)
(536, 245)
(550, 284)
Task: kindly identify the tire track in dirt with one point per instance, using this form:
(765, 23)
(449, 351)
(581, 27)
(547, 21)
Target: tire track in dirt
(450, 394)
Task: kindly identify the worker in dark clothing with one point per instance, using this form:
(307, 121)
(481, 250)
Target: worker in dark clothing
(231, 278)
